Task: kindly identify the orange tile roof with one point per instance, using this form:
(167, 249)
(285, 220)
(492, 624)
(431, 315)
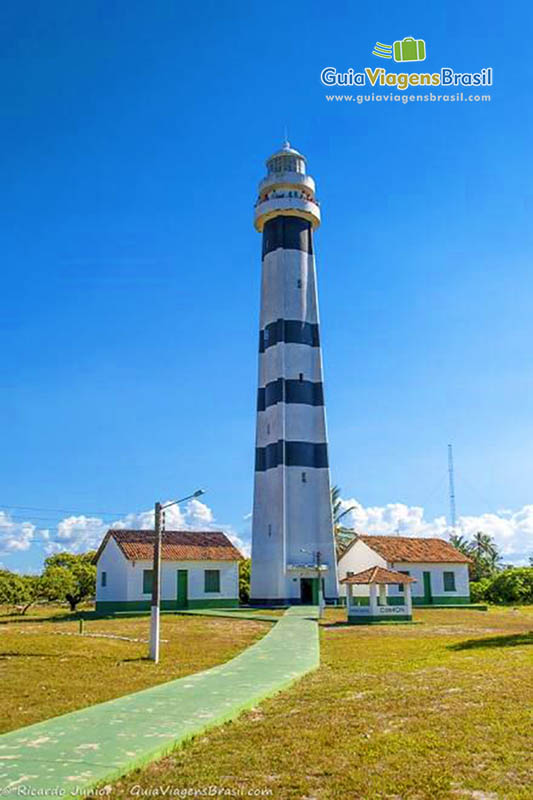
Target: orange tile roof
(177, 545)
(407, 548)
(378, 575)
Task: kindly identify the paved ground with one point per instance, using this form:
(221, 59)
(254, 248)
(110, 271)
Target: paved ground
(95, 745)
(233, 613)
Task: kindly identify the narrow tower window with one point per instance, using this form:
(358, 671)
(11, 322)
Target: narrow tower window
(299, 283)
(269, 529)
(304, 477)
(301, 376)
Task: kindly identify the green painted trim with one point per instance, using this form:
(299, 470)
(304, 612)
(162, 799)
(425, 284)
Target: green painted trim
(112, 606)
(213, 603)
(461, 606)
(446, 600)
(397, 600)
(182, 588)
(116, 606)
(148, 580)
(428, 595)
(367, 620)
(211, 580)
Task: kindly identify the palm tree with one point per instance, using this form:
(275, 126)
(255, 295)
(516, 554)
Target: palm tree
(484, 545)
(485, 553)
(461, 543)
(343, 536)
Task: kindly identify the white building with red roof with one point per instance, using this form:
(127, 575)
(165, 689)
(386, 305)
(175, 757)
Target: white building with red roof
(439, 569)
(199, 569)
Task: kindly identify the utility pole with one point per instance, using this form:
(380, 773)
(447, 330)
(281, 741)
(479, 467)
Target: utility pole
(319, 577)
(451, 484)
(156, 588)
(159, 519)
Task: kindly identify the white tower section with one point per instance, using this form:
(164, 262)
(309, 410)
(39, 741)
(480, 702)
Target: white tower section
(292, 530)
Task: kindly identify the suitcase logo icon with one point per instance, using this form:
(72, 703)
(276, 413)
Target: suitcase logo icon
(410, 49)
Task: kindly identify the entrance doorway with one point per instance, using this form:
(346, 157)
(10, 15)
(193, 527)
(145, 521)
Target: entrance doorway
(309, 591)
(428, 596)
(182, 589)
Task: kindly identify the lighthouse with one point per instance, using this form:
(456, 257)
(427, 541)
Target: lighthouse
(293, 549)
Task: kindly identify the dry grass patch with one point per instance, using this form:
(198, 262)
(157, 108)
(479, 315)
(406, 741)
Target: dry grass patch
(47, 668)
(439, 711)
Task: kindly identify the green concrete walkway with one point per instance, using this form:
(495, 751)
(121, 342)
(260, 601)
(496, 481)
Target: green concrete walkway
(98, 744)
(262, 616)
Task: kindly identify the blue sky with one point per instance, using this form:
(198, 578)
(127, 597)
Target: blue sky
(133, 140)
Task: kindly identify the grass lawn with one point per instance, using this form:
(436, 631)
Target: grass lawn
(47, 668)
(437, 711)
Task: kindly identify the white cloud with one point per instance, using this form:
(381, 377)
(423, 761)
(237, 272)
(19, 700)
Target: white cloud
(16, 536)
(198, 514)
(511, 530)
(79, 534)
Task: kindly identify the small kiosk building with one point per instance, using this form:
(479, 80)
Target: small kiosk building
(368, 609)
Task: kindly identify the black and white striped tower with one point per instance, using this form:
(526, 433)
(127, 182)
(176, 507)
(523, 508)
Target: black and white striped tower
(292, 530)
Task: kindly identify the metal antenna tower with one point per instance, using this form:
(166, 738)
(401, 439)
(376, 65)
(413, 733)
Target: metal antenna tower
(451, 484)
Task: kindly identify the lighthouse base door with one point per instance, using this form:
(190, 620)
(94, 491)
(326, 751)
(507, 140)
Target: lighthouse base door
(309, 591)
(182, 589)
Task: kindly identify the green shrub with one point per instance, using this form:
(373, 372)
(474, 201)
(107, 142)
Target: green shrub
(244, 580)
(478, 590)
(514, 585)
(14, 589)
(70, 577)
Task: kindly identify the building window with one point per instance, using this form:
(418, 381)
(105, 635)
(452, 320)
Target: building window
(270, 530)
(401, 585)
(212, 580)
(299, 283)
(304, 477)
(147, 581)
(449, 581)
(301, 376)
(104, 579)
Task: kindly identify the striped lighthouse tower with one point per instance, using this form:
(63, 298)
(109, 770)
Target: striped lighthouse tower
(293, 551)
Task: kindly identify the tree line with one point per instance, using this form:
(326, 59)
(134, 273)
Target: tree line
(490, 579)
(65, 578)
(71, 578)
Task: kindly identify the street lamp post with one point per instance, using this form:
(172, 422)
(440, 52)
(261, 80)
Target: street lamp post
(319, 578)
(156, 574)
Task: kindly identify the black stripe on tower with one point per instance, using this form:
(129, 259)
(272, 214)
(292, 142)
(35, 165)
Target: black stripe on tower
(291, 331)
(289, 390)
(292, 454)
(290, 233)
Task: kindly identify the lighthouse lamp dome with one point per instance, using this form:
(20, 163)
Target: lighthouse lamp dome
(286, 190)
